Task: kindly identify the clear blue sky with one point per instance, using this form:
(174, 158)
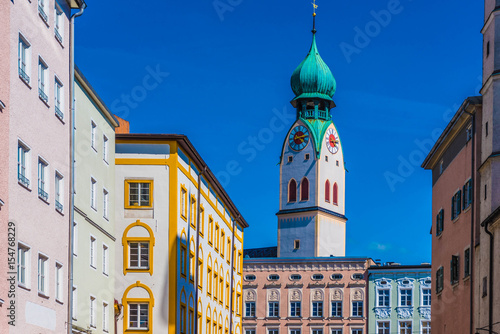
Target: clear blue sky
(229, 68)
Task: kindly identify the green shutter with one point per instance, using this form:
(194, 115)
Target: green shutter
(459, 199)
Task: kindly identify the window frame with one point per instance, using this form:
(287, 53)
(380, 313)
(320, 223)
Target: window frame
(439, 280)
(295, 309)
(105, 316)
(407, 296)
(250, 311)
(317, 309)
(58, 98)
(357, 305)
(59, 191)
(127, 302)
(24, 59)
(304, 189)
(292, 191)
(400, 328)
(386, 298)
(126, 240)
(58, 23)
(93, 312)
(43, 275)
(105, 259)
(43, 80)
(335, 307)
(127, 194)
(23, 164)
(43, 179)
(26, 256)
(105, 204)
(93, 193)
(385, 330)
(273, 309)
(59, 282)
(440, 222)
(93, 252)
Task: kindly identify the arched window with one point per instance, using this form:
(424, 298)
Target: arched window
(292, 191)
(335, 194)
(138, 308)
(138, 248)
(304, 189)
(327, 191)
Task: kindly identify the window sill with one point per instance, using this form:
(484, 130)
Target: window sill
(43, 295)
(23, 185)
(95, 150)
(294, 318)
(138, 208)
(26, 82)
(454, 285)
(250, 318)
(272, 318)
(60, 41)
(59, 302)
(24, 287)
(356, 318)
(46, 21)
(44, 102)
(466, 278)
(454, 220)
(46, 201)
(93, 208)
(316, 318)
(335, 318)
(91, 266)
(106, 218)
(61, 212)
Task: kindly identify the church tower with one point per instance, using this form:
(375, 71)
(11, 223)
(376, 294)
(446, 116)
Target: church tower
(311, 220)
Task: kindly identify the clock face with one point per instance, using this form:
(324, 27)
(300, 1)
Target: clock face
(332, 141)
(299, 137)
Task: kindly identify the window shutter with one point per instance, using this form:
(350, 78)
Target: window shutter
(459, 197)
(453, 207)
(470, 191)
(464, 199)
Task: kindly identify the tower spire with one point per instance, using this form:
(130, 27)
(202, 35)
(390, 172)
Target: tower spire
(314, 16)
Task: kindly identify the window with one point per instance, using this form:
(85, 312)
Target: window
(405, 297)
(182, 319)
(307, 156)
(249, 331)
(139, 255)
(336, 309)
(200, 268)
(357, 308)
(485, 286)
(327, 191)
(383, 327)
(183, 202)
(105, 317)
(42, 9)
(74, 305)
(357, 277)
(42, 180)
(138, 194)
(441, 167)
(486, 128)
(43, 274)
(468, 132)
(336, 330)
(274, 309)
(326, 158)
(105, 146)
(485, 191)
(43, 85)
(455, 204)
(357, 331)
(295, 331)
(93, 129)
(439, 222)
(295, 277)
(383, 297)
(105, 260)
(295, 309)
(454, 273)
(290, 158)
(426, 297)
(273, 277)
(304, 189)
(273, 331)
(439, 279)
(105, 200)
(426, 327)
(202, 220)
(211, 232)
(249, 309)
(23, 257)
(317, 277)
(59, 24)
(58, 98)
(193, 213)
(487, 54)
(317, 309)
(75, 238)
(222, 238)
(92, 312)
(24, 57)
(467, 200)
(292, 191)
(59, 282)
(59, 192)
(336, 277)
(317, 331)
(217, 237)
(93, 189)
(405, 327)
(23, 165)
(337, 163)
(250, 278)
(138, 317)
(335, 194)
(296, 244)
(467, 262)
(92, 252)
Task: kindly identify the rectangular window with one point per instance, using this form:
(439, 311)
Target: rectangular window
(455, 204)
(93, 190)
(249, 331)
(336, 330)
(405, 327)
(317, 309)
(92, 252)
(42, 274)
(454, 273)
(24, 57)
(273, 331)
(217, 237)
(59, 282)
(105, 317)
(426, 297)
(426, 327)
(357, 309)
(23, 165)
(468, 132)
(439, 222)
(59, 24)
(274, 309)
(467, 262)
(105, 260)
(317, 331)
(23, 257)
(211, 232)
(383, 297)
(138, 194)
(105, 197)
(405, 297)
(337, 309)
(75, 238)
(42, 180)
(249, 309)
(295, 331)
(222, 238)
(295, 309)
(357, 331)
(74, 305)
(93, 130)
(105, 148)
(183, 202)
(439, 279)
(139, 255)
(383, 327)
(42, 9)
(43, 81)
(92, 312)
(182, 319)
(183, 255)
(138, 316)
(59, 186)
(467, 199)
(58, 98)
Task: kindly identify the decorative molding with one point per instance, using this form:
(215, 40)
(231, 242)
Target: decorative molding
(405, 312)
(357, 285)
(357, 295)
(336, 285)
(336, 294)
(316, 285)
(405, 282)
(272, 285)
(250, 286)
(295, 295)
(250, 296)
(382, 312)
(425, 312)
(379, 282)
(423, 283)
(273, 295)
(294, 285)
(317, 294)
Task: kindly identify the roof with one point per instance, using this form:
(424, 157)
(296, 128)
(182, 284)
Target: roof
(198, 160)
(307, 259)
(76, 4)
(400, 267)
(260, 252)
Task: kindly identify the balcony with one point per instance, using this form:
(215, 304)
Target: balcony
(59, 206)
(24, 76)
(23, 180)
(42, 95)
(42, 194)
(42, 14)
(59, 113)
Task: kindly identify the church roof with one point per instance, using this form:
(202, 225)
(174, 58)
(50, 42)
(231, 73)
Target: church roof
(260, 252)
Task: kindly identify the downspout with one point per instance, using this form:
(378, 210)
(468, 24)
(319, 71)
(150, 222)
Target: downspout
(232, 279)
(490, 301)
(72, 164)
(197, 273)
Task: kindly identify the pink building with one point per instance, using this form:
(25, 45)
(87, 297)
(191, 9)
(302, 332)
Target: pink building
(35, 167)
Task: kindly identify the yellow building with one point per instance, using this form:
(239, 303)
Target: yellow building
(172, 206)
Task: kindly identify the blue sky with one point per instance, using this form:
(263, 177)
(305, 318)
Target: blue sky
(222, 72)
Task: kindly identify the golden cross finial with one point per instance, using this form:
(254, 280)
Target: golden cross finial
(314, 7)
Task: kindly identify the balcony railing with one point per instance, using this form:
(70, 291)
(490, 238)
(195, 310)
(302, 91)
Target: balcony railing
(58, 35)
(42, 95)
(42, 14)
(59, 206)
(59, 113)
(42, 194)
(23, 75)
(23, 179)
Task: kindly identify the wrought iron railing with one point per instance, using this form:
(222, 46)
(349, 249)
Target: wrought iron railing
(42, 14)
(42, 95)
(23, 179)
(43, 194)
(59, 113)
(23, 75)
(59, 206)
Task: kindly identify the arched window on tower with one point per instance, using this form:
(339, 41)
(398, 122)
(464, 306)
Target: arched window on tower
(304, 189)
(327, 191)
(335, 194)
(292, 191)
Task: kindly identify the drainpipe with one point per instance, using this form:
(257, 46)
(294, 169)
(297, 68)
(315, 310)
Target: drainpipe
(232, 279)
(490, 301)
(72, 163)
(197, 251)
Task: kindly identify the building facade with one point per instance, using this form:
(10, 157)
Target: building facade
(399, 299)
(181, 247)
(94, 217)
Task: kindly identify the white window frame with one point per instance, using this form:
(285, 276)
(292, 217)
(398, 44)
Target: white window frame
(59, 274)
(105, 148)
(355, 308)
(249, 309)
(105, 203)
(58, 23)
(93, 260)
(58, 98)
(385, 289)
(273, 330)
(43, 179)
(105, 316)
(383, 321)
(24, 59)
(296, 330)
(93, 193)
(320, 305)
(249, 331)
(317, 331)
(75, 238)
(138, 254)
(335, 330)
(26, 255)
(74, 300)
(403, 286)
(400, 299)
(300, 308)
(24, 164)
(92, 312)
(43, 80)
(422, 328)
(105, 259)
(59, 191)
(274, 309)
(424, 286)
(405, 321)
(356, 330)
(93, 132)
(43, 10)
(43, 274)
